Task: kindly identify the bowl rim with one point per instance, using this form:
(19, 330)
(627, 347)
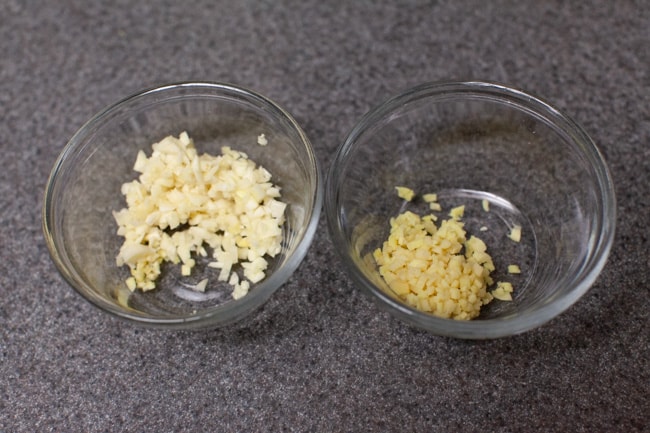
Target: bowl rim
(522, 101)
(219, 315)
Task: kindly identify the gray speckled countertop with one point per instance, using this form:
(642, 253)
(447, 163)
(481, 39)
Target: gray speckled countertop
(320, 356)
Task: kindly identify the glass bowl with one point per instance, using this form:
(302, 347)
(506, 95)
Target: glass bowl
(484, 146)
(84, 189)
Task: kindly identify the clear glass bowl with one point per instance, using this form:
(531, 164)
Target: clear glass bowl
(470, 142)
(84, 190)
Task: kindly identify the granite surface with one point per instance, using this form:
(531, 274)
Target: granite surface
(319, 356)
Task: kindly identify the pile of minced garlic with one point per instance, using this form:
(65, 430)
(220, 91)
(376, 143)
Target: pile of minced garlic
(183, 202)
(436, 269)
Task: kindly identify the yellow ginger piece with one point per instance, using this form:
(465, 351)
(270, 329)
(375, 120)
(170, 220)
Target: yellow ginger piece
(457, 212)
(432, 199)
(515, 233)
(503, 292)
(405, 193)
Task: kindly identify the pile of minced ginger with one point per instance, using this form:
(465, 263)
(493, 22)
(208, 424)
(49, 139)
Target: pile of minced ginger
(436, 269)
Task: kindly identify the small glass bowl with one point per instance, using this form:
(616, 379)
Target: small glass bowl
(474, 143)
(84, 189)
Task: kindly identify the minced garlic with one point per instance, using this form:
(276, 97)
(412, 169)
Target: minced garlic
(184, 202)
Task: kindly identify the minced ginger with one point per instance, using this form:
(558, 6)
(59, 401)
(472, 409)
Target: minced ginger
(515, 233)
(405, 193)
(183, 202)
(436, 269)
